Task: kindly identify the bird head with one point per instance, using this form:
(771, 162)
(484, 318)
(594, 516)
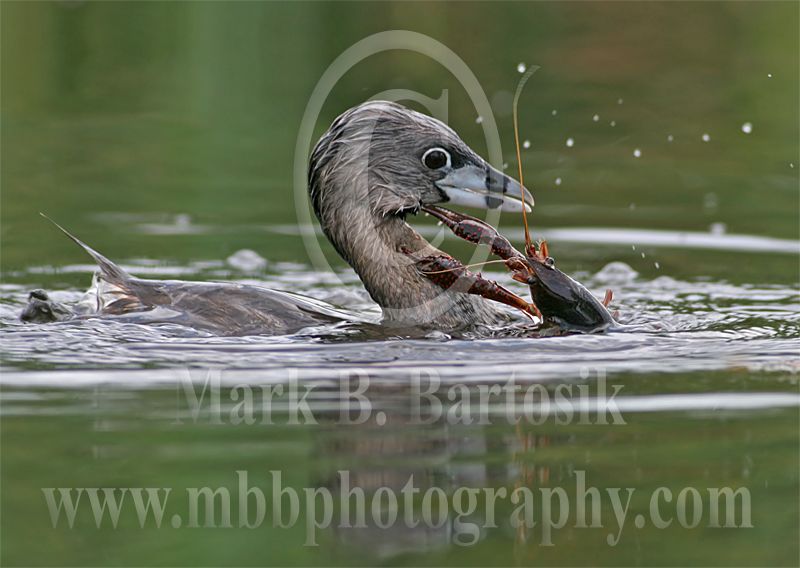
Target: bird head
(394, 160)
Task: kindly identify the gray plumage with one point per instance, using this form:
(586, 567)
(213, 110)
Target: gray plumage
(366, 173)
(222, 308)
(365, 176)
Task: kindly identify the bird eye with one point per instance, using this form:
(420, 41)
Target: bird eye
(436, 158)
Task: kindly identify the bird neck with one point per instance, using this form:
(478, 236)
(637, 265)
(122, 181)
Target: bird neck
(378, 250)
(376, 247)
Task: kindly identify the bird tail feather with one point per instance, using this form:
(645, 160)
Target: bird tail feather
(111, 271)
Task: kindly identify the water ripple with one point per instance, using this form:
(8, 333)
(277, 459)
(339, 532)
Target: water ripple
(669, 326)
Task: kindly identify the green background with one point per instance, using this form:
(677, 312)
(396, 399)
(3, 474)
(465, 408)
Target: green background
(118, 116)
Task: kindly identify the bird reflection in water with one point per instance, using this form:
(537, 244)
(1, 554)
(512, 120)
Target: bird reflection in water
(396, 448)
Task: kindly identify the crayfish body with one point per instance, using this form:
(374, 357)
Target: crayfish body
(563, 301)
(557, 299)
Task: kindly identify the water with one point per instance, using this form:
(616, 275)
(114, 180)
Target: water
(168, 146)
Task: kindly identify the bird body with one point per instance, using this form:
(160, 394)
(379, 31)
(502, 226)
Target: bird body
(376, 164)
(222, 308)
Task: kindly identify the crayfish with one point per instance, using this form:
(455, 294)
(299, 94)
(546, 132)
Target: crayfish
(557, 299)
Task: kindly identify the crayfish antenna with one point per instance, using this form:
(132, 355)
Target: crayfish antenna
(515, 115)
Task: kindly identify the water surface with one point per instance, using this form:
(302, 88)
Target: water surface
(163, 135)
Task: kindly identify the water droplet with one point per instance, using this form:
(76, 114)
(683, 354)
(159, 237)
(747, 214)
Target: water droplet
(616, 273)
(521, 67)
(747, 127)
(706, 137)
(710, 201)
(596, 118)
(642, 255)
(558, 181)
(613, 123)
(632, 207)
(769, 75)
(526, 144)
(505, 165)
(637, 153)
(246, 260)
(619, 101)
(670, 138)
(570, 142)
(633, 247)
(658, 266)
(717, 229)
(555, 112)
(791, 165)
(478, 120)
